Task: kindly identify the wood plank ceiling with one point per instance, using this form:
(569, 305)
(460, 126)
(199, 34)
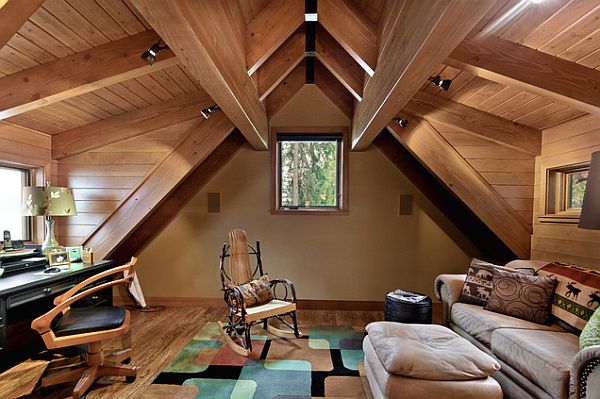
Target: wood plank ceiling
(371, 59)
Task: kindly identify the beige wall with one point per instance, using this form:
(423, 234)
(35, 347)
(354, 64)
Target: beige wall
(567, 144)
(354, 257)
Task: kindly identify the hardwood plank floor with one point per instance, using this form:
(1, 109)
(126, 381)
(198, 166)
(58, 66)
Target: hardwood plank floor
(158, 337)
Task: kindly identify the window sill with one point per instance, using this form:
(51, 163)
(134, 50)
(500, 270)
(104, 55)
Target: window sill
(560, 218)
(312, 211)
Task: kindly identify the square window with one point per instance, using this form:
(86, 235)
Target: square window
(565, 187)
(576, 182)
(309, 172)
(11, 216)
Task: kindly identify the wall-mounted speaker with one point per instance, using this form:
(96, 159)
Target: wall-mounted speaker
(405, 205)
(214, 202)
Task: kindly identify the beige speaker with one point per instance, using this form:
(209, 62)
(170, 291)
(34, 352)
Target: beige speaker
(214, 202)
(405, 205)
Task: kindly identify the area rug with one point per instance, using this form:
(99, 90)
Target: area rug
(327, 362)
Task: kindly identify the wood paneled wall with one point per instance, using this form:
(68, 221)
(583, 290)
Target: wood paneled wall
(24, 146)
(569, 143)
(103, 177)
(509, 172)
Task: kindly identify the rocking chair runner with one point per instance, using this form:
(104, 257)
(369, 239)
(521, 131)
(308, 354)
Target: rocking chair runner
(240, 317)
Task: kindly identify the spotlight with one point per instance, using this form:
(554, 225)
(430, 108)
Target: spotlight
(401, 122)
(443, 84)
(150, 55)
(207, 112)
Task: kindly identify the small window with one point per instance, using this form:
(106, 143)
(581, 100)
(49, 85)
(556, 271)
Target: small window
(309, 172)
(565, 187)
(11, 217)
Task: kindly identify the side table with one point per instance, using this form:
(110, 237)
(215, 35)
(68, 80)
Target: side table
(407, 307)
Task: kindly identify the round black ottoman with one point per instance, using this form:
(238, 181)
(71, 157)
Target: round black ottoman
(407, 307)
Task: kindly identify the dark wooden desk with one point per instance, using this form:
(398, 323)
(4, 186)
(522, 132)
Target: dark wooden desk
(25, 296)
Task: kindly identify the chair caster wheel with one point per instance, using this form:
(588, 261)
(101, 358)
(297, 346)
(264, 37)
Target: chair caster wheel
(130, 378)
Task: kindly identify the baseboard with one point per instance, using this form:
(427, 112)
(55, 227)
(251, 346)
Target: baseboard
(303, 304)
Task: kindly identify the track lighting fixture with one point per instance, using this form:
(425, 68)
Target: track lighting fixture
(207, 112)
(443, 84)
(401, 122)
(150, 55)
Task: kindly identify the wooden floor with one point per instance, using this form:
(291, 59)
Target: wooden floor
(158, 337)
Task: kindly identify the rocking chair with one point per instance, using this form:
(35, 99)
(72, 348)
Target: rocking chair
(236, 272)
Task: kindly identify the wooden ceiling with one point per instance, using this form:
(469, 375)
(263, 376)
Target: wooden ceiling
(350, 34)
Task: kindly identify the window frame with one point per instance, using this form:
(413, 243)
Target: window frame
(343, 169)
(557, 191)
(28, 225)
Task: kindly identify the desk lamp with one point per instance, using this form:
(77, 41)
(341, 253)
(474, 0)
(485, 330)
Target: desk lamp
(48, 201)
(590, 211)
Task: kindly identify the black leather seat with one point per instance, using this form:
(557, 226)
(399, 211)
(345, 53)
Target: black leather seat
(84, 320)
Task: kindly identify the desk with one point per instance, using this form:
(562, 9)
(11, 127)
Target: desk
(25, 296)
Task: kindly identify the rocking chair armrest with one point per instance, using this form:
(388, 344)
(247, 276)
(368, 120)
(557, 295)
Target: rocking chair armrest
(235, 293)
(288, 286)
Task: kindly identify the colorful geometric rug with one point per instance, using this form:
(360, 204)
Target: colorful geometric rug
(325, 362)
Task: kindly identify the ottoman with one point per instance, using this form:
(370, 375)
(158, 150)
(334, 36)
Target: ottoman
(411, 361)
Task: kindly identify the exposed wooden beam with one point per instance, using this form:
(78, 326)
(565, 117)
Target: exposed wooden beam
(281, 63)
(340, 64)
(333, 89)
(512, 64)
(128, 125)
(203, 138)
(270, 28)
(457, 212)
(13, 14)
(79, 73)
(207, 39)
(166, 211)
(352, 30)
(471, 188)
(473, 121)
(286, 89)
(420, 38)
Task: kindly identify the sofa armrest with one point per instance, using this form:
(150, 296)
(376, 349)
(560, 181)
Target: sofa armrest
(585, 374)
(447, 288)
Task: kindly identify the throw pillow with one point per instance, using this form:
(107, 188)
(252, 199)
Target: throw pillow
(520, 295)
(478, 284)
(256, 292)
(590, 335)
(577, 293)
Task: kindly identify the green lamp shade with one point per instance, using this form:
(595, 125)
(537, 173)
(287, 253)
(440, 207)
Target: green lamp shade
(48, 201)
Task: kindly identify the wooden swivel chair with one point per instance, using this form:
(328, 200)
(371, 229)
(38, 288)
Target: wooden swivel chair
(236, 269)
(64, 326)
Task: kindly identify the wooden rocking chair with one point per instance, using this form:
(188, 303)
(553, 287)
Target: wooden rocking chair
(235, 271)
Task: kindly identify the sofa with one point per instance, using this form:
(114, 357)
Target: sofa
(537, 360)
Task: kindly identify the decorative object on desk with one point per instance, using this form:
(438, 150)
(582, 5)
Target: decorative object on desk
(58, 258)
(48, 201)
(87, 256)
(75, 253)
(590, 211)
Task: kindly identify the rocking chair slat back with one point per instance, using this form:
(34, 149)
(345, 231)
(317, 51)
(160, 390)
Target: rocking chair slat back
(239, 261)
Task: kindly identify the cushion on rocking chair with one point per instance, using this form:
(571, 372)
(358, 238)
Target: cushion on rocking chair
(89, 319)
(256, 292)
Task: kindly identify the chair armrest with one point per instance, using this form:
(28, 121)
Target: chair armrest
(585, 374)
(289, 289)
(447, 288)
(234, 300)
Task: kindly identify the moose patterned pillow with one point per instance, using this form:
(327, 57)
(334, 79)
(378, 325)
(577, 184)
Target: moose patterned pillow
(577, 293)
(478, 284)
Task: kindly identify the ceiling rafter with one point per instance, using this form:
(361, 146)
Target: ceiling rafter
(515, 65)
(475, 122)
(270, 28)
(340, 63)
(13, 15)
(352, 30)
(280, 63)
(421, 38)
(333, 89)
(191, 29)
(286, 89)
(128, 125)
(79, 73)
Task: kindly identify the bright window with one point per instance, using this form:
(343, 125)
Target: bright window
(310, 172)
(11, 217)
(576, 182)
(565, 187)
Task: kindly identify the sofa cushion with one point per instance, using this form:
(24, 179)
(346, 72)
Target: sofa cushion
(480, 323)
(429, 352)
(577, 293)
(544, 357)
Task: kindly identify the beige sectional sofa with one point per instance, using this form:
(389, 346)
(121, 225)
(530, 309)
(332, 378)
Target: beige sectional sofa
(538, 361)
